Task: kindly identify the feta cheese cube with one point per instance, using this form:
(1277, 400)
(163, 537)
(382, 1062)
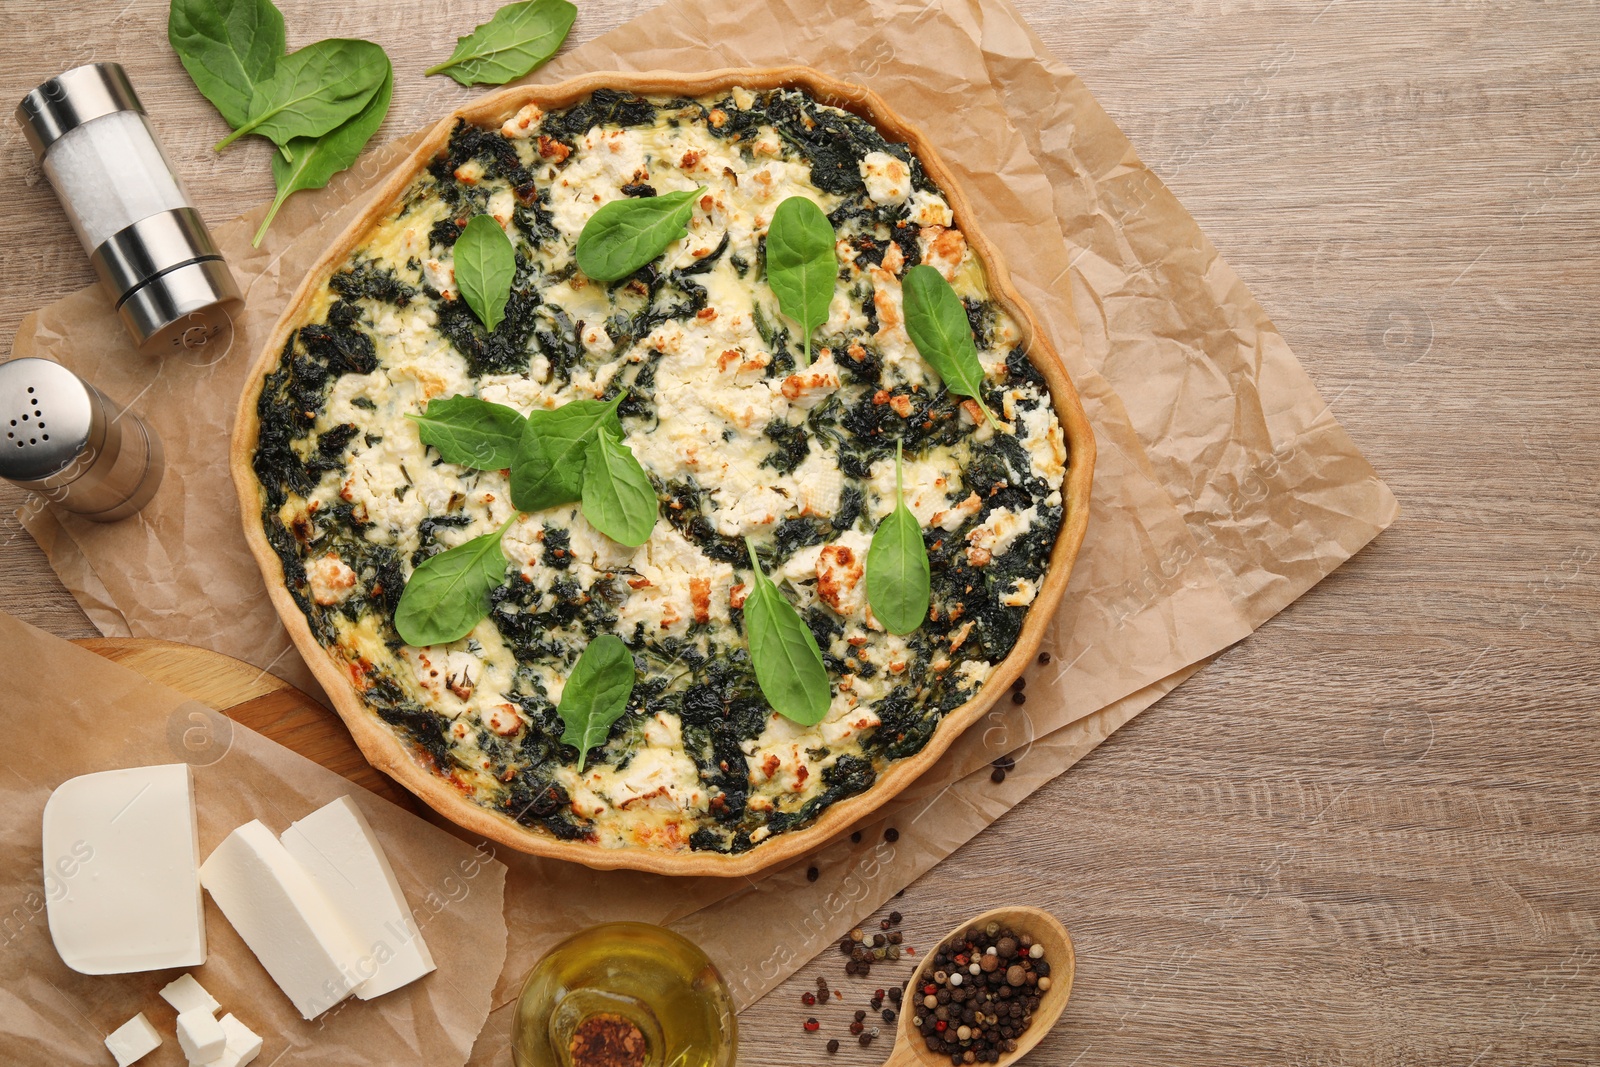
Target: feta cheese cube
(186, 994)
(242, 1047)
(200, 1035)
(133, 1040)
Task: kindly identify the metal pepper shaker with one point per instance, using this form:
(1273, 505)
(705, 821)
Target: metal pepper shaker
(68, 442)
(147, 243)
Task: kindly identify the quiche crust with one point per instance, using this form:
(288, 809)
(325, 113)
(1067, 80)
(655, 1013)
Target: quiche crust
(380, 743)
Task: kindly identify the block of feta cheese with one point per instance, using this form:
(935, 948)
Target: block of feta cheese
(243, 1045)
(186, 994)
(133, 1040)
(337, 847)
(286, 920)
(200, 1035)
(121, 856)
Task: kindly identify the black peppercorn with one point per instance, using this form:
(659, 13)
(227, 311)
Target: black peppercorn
(891, 834)
(1044, 657)
(895, 917)
(812, 874)
(833, 1045)
(888, 1015)
(997, 775)
(865, 1039)
(860, 1015)
(856, 837)
(1020, 683)
(1019, 698)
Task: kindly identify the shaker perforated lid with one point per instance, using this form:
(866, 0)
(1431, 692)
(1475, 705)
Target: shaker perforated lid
(47, 413)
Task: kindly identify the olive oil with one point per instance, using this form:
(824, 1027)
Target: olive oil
(624, 995)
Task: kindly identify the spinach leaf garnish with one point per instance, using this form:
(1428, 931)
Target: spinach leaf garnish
(517, 39)
(596, 694)
(939, 328)
(801, 264)
(228, 47)
(548, 468)
(618, 499)
(315, 160)
(449, 594)
(784, 652)
(485, 266)
(898, 582)
(471, 432)
(313, 90)
(624, 235)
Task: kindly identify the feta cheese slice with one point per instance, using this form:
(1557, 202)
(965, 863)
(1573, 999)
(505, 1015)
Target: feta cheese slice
(200, 1035)
(133, 1040)
(121, 854)
(338, 849)
(286, 920)
(242, 1047)
(186, 994)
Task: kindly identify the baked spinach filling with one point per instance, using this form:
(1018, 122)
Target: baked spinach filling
(701, 676)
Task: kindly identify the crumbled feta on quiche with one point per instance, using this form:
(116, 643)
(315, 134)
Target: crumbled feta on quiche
(738, 439)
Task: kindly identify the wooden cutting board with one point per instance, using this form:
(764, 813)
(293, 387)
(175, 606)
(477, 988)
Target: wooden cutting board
(254, 698)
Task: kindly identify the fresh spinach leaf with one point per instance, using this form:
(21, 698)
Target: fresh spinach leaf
(618, 499)
(801, 264)
(517, 39)
(315, 160)
(784, 653)
(596, 694)
(471, 432)
(626, 234)
(548, 467)
(485, 266)
(449, 594)
(898, 582)
(228, 47)
(939, 328)
(313, 90)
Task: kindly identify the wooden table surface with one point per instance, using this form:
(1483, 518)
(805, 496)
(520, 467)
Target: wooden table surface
(1368, 834)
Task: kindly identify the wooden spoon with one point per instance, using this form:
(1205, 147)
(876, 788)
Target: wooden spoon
(909, 1048)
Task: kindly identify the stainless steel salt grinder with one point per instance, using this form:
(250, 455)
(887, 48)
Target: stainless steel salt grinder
(147, 243)
(66, 441)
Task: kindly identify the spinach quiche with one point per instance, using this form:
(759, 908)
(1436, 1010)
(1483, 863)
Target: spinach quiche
(752, 454)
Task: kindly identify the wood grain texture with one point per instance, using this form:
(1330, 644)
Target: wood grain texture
(1371, 833)
(268, 705)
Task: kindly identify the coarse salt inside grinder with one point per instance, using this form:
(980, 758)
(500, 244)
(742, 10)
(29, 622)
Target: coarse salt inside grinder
(145, 240)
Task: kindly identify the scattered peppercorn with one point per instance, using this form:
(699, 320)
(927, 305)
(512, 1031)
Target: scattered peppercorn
(856, 1027)
(833, 1045)
(888, 1015)
(1019, 698)
(1020, 683)
(865, 1040)
(860, 1015)
(1044, 657)
(811, 1024)
(997, 775)
(891, 834)
(856, 837)
(895, 918)
(812, 874)
(808, 999)
(1005, 763)
(884, 924)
